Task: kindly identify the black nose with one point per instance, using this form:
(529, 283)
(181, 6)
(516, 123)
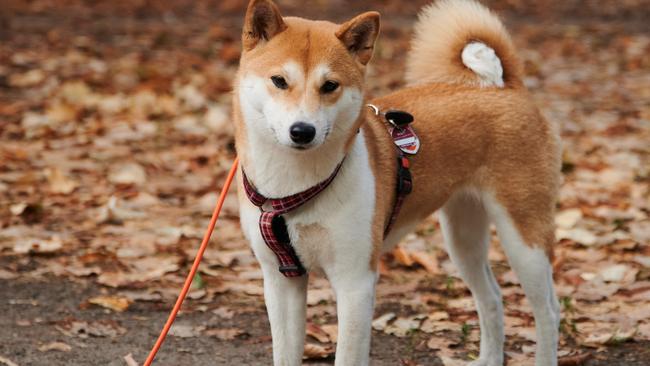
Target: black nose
(302, 133)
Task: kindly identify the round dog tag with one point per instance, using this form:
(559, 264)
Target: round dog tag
(406, 139)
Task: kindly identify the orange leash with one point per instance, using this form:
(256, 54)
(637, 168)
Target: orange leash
(195, 266)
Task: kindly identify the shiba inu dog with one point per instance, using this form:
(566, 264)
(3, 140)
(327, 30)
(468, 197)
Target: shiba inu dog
(321, 174)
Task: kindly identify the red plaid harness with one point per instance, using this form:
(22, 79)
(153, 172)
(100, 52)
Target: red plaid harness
(273, 227)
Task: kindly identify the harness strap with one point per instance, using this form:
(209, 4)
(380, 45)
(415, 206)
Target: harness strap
(273, 226)
(403, 187)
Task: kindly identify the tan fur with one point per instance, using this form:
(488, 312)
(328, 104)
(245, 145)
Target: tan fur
(442, 32)
(489, 139)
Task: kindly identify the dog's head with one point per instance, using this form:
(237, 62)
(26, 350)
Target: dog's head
(300, 82)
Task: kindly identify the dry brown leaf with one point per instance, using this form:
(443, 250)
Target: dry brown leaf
(442, 342)
(575, 360)
(382, 322)
(316, 296)
(249, 288)
(224, 312)
(567, 219)
(315, 351)
(34, 245)
(130, 361)
(128, 173)
(186, 330)
(426, 260)
(315, 331)
(578, 235)
(18, 208)
(7, 361)
(6, 275)
(84, 329)
(116, 303)
(59, 182)
(55, 346)
(226, 334)
(402, 256)
(332, 331)
(403, 326)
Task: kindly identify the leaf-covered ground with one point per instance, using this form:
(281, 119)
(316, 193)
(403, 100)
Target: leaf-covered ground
(115, 137)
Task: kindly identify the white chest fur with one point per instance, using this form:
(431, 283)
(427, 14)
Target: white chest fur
(335, 227)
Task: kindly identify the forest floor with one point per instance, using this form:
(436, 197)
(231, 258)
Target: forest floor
(115, 137)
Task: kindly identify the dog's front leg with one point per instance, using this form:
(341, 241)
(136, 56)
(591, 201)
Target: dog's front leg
(286, 303)
(355, 298)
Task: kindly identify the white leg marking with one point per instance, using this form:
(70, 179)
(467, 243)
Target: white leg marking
(355, 301)
(484, 62)
(286, 298)
(286, 305)
(535, 274)
(465, 228)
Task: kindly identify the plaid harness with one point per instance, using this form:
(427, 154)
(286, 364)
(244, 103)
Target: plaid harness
(273, 226)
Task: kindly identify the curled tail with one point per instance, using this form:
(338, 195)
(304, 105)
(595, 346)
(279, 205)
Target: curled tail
(462, 42)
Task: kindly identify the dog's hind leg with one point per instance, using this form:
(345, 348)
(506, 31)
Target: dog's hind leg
(465, 228)
(533, 268)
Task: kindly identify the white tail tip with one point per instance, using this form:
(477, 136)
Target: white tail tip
(482, 59)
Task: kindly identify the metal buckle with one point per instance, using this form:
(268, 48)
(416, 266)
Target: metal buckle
(291, 268)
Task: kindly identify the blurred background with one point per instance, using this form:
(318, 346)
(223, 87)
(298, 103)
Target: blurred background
(115, 137)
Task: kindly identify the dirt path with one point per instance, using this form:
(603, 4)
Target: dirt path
(35, 314)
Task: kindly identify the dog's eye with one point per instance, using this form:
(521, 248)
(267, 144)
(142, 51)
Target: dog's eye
(279, 82)
(329, 86)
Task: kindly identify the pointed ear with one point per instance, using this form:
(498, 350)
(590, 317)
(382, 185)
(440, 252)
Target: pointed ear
(359, 35)
(262, 22)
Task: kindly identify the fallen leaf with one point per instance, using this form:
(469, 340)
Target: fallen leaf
(116, 303)
(429, 262)
(130, 361)
(141, 295)
(315, 331)
(316, 296)
(33, 245)
(6, 275)
(575, 360)
(382, 322)
(224, 312)
(59, 183)
(27, 79)
(84, 329)
(55, 346)
(18, 208)
(617, 273)
(332, 331)
(403, 326)
(442, 342)
(402, 256)
(578, 235)
(7, 361)
(315, 351)
(567, 219)
(227, 334)
(128, 173)
(186, 330)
